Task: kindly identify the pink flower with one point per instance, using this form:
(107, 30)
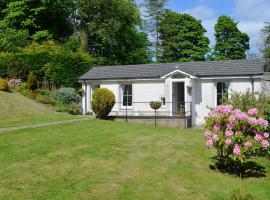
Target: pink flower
(262, 122)
(229, 133)
(209, 143)
(226, 109)
(232, 119)
(215, 137)
(248, 144)
(215, 115)
(228, 141)
(241, 115)
(237, 111)
(252, 111)
(265, 134)
(229, 125)
(237, 150)
(265, 144)
(217, 127)
(207, 133)
(258, 137)
(252, 120)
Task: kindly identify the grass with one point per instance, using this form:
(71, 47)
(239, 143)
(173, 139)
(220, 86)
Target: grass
(19, 110)
(97, 159)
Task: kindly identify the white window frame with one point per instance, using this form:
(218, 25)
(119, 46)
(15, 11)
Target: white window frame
(122, 96)
(216, 92)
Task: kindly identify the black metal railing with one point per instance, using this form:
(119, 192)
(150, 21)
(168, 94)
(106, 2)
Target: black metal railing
(143, 109)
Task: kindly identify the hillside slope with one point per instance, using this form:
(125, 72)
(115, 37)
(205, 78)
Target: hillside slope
(16, 109)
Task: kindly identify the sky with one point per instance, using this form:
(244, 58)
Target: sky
(250, 15)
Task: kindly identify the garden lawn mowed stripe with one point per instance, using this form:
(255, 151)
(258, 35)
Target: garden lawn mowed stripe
(16, 110)
(97, 159)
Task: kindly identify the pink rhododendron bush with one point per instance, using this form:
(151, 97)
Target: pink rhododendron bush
(236, 135)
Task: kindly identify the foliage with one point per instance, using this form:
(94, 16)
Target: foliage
(3, 84)
(45, 99)
(236, 135)
(12, 40)
(24, 20)
(182, 38)
(102, 102)
(238, 195)
(110, 31)
(155, 10)
(74, 109)
(155, 105)
(231, 43)
(47, 60)
(67, 96)
(266, 45)
(32, 81)
(247, 100)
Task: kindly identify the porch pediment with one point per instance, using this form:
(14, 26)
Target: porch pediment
(177, 74)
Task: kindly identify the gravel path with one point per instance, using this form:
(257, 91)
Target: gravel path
(7, 129)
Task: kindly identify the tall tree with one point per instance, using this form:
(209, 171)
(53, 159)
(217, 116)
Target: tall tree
(109, 30)
(182, 38)
(231, 43)
(155, 10)
(37, 20)
(266, 45)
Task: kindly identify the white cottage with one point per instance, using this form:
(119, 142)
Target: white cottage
(193, 86)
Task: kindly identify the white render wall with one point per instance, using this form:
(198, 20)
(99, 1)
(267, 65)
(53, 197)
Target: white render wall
(204, 94)
(143, 91)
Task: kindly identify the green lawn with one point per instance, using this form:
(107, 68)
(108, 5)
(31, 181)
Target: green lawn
(111, 160)
(16, 109)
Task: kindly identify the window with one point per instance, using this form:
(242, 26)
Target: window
(127, 95)
(222, 91)
(95, 86)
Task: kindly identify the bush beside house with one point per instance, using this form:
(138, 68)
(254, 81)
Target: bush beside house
(237, 136)
(102, 102)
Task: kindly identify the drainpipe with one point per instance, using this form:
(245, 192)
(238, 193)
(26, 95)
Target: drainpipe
(85, 98)
(252, 83)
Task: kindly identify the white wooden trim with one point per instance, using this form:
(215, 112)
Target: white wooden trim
(179, 71)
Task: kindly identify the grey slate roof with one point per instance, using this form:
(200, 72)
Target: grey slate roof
(198, 69)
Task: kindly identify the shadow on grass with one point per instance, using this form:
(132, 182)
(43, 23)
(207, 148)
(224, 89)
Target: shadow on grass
(249, 169)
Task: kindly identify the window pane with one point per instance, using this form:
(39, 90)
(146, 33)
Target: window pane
(219, 98)
(130, 101)
(225, 87)
(219, 87)
(125, 90)
(125, 101)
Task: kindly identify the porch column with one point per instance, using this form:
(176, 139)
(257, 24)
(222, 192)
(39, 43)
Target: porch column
(86, 98)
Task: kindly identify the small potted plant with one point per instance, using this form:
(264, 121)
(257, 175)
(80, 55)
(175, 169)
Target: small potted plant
(181, 111)
(155, 105)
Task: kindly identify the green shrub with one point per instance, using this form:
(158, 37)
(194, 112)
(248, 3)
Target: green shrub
(155, 105)
(247, 100)
(67, 96)
(238, 195)
(3, 85)
(32, 81)
(74, 109)
(102, 102)
(45, 92)
(45, 99)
